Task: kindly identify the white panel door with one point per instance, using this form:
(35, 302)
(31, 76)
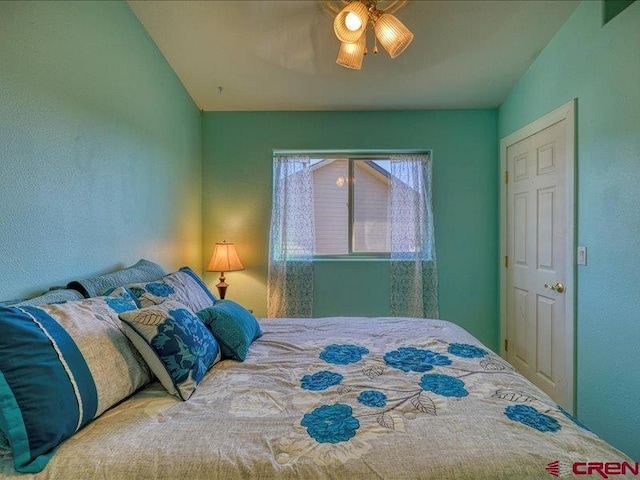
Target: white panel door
(536, 276)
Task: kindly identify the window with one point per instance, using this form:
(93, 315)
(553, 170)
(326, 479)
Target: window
(351, 206)
(338, 206)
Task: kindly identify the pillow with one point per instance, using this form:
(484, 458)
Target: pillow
(175, 344)
(4, 443)
(143, 271)
(183, 286)
(52, 296)
(234, 327)
(62, 365)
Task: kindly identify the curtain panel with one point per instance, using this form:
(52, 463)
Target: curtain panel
(413, 267)
(291, 239)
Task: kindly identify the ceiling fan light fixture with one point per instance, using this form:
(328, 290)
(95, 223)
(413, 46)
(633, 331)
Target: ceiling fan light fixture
(392, 34)
(350, 55)
(351, 23)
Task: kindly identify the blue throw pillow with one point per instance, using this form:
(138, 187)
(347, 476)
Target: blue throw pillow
(4, 443)
(175, 344)
(234, 327)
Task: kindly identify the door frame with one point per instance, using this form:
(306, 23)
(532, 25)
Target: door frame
(565, 112)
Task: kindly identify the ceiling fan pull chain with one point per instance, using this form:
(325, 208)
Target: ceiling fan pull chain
(366, 50)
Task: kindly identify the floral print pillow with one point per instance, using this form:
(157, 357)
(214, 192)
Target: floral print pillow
(175, 344)
(183, 286)
(151, 293)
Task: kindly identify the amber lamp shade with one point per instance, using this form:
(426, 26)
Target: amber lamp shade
(224, 259)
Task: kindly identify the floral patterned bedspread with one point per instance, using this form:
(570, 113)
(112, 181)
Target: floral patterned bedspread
(348, 398)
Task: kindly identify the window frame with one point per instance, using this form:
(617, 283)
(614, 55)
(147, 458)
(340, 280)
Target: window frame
(353, 155)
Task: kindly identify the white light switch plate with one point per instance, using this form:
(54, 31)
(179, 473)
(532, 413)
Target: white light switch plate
(582, 255)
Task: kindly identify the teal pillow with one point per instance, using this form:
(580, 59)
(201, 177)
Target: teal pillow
(234, 327)
(175, 344)
(4, 443)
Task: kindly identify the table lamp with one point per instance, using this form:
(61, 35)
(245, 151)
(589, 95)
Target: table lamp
(224, 259)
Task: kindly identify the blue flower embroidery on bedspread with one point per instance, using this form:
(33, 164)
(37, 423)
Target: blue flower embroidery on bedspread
(343, 354)
(180, 351)
(160, 289)
(466, 350)
(533, 418)
(372, 398)
(321, 380)
(410, 359)
(375, 404)
(444, 385)
(331, 423)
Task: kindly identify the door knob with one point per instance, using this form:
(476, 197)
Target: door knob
(556, 287)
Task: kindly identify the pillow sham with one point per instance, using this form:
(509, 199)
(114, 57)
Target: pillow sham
(175, 344)
(142, 271)
(183, 286)
(52, 296)
(62, 365)
(234, 327)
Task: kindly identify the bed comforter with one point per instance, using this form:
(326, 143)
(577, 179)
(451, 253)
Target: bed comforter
(339, 398)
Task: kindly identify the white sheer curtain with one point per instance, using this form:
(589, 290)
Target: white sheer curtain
(291, 239)
(414, 273)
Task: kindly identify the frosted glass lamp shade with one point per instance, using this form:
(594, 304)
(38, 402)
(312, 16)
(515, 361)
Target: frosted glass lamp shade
(392, 34)
(351, 55)
(224, 259)
(345, 28)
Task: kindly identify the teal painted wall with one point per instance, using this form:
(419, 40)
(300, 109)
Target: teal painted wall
(357, 288)
(600, 66)
(100, 147)
(237, 154)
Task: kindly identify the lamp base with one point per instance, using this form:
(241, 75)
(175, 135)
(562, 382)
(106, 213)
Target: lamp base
(222, 286)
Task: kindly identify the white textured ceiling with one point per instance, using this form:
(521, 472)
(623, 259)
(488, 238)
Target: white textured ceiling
(280, 55)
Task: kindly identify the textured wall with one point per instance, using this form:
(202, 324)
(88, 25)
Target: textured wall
(100, 147)
(600, 66)
(237, 156)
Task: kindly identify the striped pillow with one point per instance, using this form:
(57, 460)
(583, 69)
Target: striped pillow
(62, 365)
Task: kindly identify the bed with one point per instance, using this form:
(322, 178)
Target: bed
(342, 398)
(124, 376)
